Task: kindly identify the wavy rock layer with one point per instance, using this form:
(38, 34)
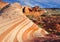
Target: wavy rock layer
(16, 27)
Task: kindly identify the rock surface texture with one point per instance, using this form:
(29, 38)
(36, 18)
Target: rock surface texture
(16, 27)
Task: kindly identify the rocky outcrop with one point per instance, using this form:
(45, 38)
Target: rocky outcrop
(35, 11)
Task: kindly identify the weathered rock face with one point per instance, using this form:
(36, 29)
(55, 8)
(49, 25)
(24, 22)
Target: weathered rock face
(26, 10)
(16, 27)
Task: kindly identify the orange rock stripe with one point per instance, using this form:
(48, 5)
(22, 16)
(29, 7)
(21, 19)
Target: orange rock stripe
(35, 29)
(24, 36)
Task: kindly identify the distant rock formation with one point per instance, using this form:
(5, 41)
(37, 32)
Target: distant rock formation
(35, 11)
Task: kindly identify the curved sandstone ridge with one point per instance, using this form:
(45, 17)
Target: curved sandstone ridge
(16, 27)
